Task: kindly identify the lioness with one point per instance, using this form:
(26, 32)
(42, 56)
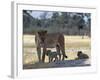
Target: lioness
(49, 40)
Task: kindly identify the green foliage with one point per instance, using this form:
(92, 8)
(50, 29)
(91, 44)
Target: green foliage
(69, 23)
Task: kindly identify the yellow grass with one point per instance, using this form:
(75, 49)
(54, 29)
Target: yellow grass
(72, 45)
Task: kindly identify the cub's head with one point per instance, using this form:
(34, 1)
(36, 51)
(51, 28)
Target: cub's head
(48, 52)
(42, 35)
(79, 53)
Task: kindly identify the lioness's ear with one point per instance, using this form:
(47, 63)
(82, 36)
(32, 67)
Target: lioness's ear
(38, 32)
(45, 31)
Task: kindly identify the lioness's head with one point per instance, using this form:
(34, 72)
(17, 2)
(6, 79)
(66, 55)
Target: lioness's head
(42, 35)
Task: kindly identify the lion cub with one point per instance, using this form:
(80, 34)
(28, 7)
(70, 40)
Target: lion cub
(81, 55)
(53, 56)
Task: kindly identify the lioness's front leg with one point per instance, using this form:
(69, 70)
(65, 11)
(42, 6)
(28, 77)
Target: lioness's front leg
(39, 53)
(44, 53)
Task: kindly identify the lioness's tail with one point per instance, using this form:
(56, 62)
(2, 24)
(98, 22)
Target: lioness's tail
(66, 56)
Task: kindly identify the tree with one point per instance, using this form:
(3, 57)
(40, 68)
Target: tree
(43, 19)
(27, 21)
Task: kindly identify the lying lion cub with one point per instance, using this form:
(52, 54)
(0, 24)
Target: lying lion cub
(81, 55)
(53, 56)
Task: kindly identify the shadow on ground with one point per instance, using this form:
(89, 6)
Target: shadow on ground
(65, 63)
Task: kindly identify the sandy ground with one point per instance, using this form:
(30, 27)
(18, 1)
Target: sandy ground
(72, 45)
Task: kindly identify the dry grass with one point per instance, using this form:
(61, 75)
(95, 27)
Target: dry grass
(72, 45)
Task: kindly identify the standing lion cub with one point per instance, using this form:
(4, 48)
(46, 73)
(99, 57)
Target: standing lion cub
(53, 56)
(49, 40)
